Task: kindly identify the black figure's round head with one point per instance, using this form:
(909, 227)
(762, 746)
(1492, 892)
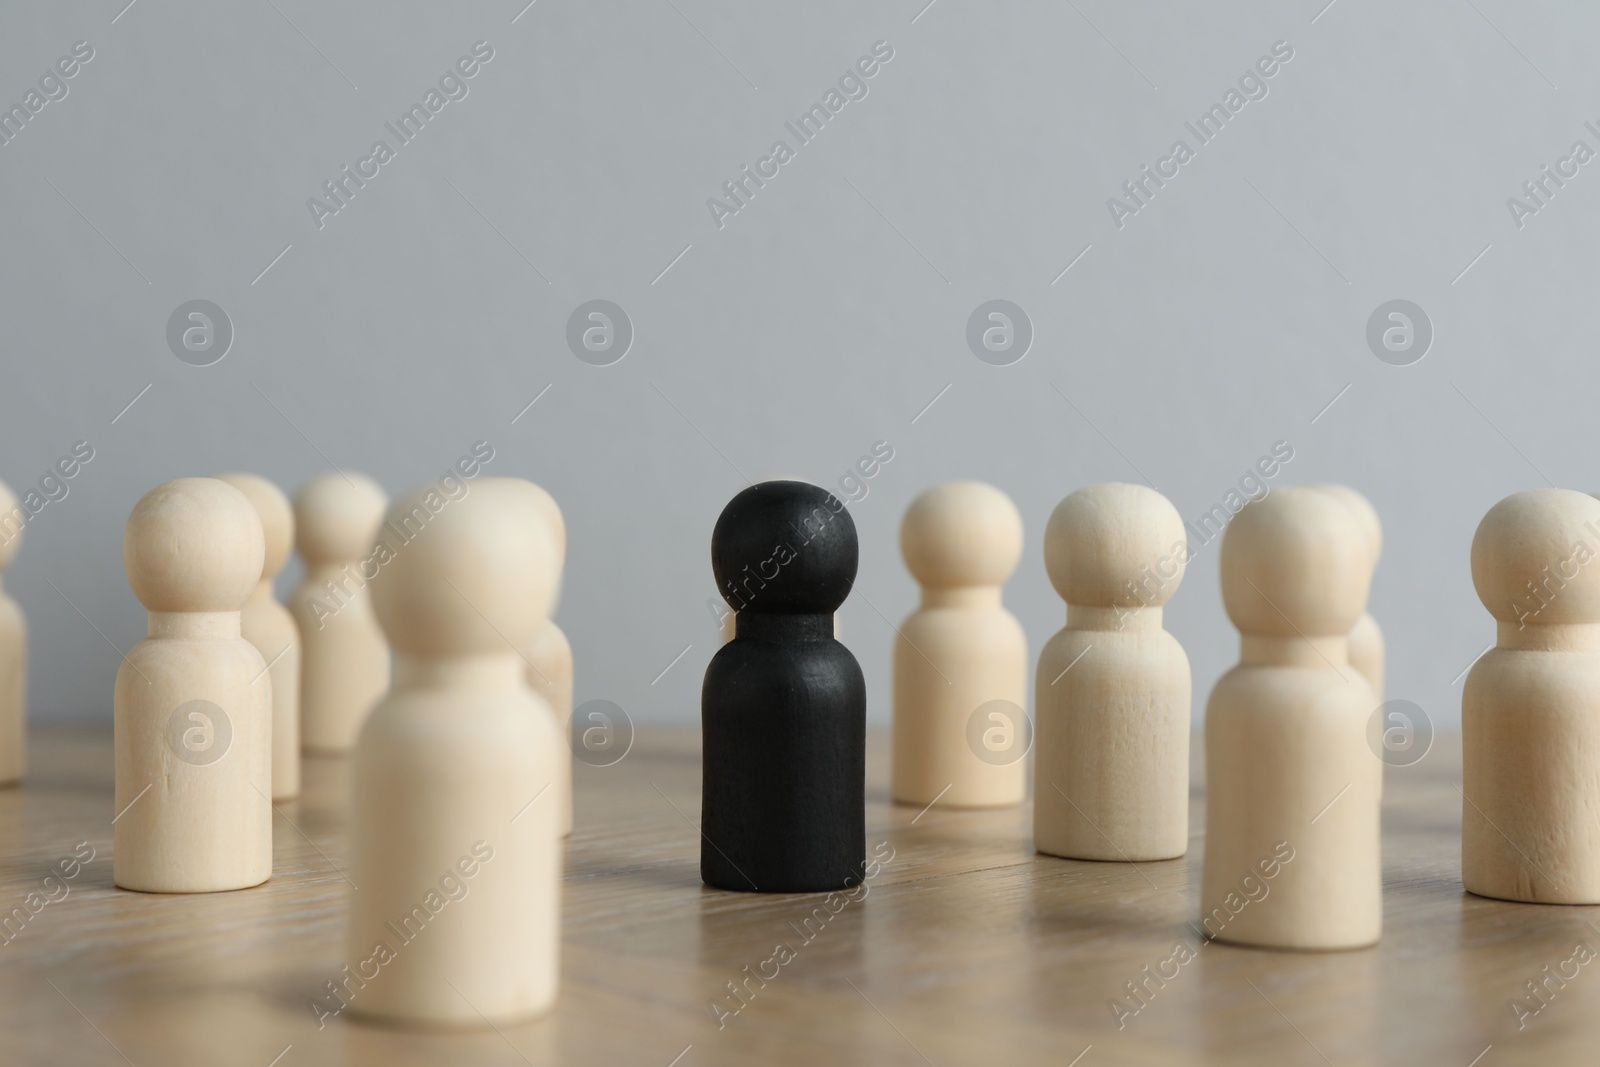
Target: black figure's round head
(785, 548)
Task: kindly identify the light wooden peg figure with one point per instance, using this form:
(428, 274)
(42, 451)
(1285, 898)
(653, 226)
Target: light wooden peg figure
(1366, 639)
(344, 659)
(13, 652)
(268, 625)
(455, 842)
(192, 709)
(960, 655)
(1530, 707)
(1111, 697)
(549, 654)
(1293, 785)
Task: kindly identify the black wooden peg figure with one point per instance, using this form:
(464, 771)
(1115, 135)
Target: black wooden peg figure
(784, 705)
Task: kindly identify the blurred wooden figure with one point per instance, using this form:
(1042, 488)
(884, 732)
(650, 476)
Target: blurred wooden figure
(193, 709)
(1530, 707)
(960, 734)
(1111, 774)
(549, 654)
(1366, 639)
(455, 842)
(1293, 784)
(13, 651)
(344, 659)
(268, 625)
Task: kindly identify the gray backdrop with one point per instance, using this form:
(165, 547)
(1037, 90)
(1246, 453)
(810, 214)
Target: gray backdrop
(1223, 315)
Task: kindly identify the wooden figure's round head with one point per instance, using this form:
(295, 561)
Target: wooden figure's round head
(961, 534)
(277, 518)
(476, 579)
(785, 548)
(1533, 558)
(193, 544)
(554, 543)
(12, 518)
(552, 515)
(1366, 514)
(1115, 545)
(1296, 563)
(336, 516)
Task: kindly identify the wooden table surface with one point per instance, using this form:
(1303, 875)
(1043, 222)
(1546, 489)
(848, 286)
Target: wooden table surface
(967, 948)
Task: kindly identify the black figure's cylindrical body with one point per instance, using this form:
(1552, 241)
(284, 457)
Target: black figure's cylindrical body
(784, 705)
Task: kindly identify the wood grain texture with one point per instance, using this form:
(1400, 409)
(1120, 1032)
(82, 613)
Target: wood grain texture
(970, 945)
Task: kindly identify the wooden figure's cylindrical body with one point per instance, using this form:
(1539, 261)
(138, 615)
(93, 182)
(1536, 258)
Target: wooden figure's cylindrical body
(784, 721)
(1111, 696)
(956, 654)
(1530, 707)
(458, 866)
(192, 710)
(1530, 774)
(783, 706)
(1367, 653)
(1111, 740)
(267, 624)
(549, 673)
(344, 660)
(1291, 782)
(192, 721)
